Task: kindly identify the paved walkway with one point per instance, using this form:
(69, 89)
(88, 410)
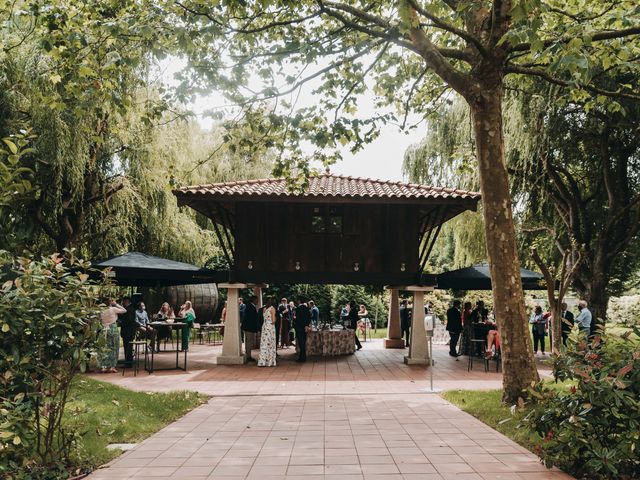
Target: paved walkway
(361, 417)
(371, 370)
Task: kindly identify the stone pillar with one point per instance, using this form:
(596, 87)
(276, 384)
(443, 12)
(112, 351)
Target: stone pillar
(231, 344)
(394, 333)
(419, 349)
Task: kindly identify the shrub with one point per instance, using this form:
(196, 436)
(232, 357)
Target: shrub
(624, 310)
(593, 429)
(48, 329)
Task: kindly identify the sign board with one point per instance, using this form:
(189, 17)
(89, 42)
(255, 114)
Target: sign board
(430, 323)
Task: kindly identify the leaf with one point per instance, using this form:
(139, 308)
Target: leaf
(624, 370)
(55, 78)
(17, 440)
(12, 146)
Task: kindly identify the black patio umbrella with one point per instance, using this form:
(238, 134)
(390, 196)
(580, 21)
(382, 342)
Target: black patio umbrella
(141, 270)
(478, 277)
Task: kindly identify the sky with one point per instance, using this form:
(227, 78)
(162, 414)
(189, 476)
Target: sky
(382, 159)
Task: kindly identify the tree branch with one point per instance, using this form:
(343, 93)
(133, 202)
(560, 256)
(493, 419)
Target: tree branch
(510, 68)
(438, 22)
(596, 37)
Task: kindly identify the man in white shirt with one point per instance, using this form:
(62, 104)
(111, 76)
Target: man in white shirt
(584, 319)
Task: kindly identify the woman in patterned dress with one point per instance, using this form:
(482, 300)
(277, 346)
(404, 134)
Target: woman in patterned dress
(267, 356)
(108, 357)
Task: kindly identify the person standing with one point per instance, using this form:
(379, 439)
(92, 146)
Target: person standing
(454, 327)
(108, 358)
(467, 329)
(223, 318)
(188, 315)
(584, 319)
(538, 329)
(405, 321)
(267, 357)
(567, 323)
(128, 328)
(301, 324)
(250, 327)
(353, 322)
(285, 323)
(315, 314)
(241, 308)
(344, 315)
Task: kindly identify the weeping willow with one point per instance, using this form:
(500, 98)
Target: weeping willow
(118, 157)
(446, 157)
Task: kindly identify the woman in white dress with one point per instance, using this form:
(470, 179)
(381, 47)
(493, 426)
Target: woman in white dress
(267, 356)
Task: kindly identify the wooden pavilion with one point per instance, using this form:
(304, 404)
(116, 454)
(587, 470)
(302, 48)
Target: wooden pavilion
(339, 230)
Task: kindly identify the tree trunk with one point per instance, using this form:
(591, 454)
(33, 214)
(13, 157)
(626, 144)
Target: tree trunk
(508, 297)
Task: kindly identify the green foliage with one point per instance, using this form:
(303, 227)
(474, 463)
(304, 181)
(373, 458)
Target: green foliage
(375, 303)
(48, 331)
(16, 188)
(623, 311)
(593, 430)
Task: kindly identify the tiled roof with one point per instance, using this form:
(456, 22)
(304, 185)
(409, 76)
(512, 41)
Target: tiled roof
(330, 186)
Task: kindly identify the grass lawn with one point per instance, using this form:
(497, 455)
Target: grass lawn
(486, 406)
(103, 413)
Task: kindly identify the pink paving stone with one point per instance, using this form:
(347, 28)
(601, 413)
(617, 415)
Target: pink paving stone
(358, 417)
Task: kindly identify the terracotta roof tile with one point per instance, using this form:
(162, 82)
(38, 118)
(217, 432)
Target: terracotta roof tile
(327, 185)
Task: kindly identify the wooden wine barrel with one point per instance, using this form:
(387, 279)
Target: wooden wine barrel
(204, 298)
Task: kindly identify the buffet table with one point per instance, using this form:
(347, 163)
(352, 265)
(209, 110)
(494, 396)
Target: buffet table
(328, 343)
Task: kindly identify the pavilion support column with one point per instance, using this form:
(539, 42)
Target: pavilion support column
(419, 349)
(394, 333)
(231, 344)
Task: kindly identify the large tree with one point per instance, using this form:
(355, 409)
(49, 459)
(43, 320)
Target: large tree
(410, 53)
(104, 145)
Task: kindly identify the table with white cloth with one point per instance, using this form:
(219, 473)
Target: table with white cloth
(329, 343)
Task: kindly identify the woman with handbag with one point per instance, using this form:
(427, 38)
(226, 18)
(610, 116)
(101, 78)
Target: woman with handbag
(538, 329)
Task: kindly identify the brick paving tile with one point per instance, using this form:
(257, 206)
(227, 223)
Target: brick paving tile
(361, 417)
(417, 468)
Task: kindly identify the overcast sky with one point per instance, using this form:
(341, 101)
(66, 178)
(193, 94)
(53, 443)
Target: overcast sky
(381, 159)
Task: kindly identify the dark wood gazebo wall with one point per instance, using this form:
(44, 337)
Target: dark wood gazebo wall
(374, 232)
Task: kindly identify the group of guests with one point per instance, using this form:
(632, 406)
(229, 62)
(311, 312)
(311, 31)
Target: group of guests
(272, 323)
(541, 324)
(134, 321)
(476, 323)
(471, 323)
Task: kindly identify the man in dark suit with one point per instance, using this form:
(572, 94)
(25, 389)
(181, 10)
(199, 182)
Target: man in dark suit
(128, 328)
(353, 321)
(454, 326)
(405, 321)
(300, 325)
(568, 321)
(250, 327)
